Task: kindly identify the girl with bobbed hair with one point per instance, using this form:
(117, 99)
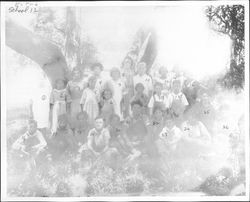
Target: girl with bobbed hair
(75, 88)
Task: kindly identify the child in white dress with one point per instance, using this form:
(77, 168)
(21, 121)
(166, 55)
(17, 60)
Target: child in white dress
(117, 85)
(75, 88)
(89, 101)
(107, 104)
(97, 69)
(59, 100)
(40, 105)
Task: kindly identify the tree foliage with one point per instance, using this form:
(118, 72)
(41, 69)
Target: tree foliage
(62, 27)
(229, 20)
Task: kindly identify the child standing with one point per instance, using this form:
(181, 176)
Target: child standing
(177, 99)
(118, 87)
(140, 96)
(127, 77)
(75, 88)
(164, 77)
(97, 69)
(89, 100)
(59, 100)
(158, 98)
(107, 104)
(144, 79)
(40, 106)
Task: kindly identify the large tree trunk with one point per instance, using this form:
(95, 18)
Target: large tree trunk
(41, 51)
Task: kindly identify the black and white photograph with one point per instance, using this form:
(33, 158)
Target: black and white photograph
(125, 100)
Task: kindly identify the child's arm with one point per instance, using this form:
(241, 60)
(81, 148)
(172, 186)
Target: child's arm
(184, 100)
(42, 142)
(90, 142)
(68, 101)
(83, 99)
(150, 87)
(106, 139)
(52, 100)
(19, 143)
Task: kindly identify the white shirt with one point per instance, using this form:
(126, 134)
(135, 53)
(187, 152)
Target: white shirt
(162, 98)
(37, 135)
(171, 135)
(197, 131)
(146, 81)
(178, 97)
(118, 89)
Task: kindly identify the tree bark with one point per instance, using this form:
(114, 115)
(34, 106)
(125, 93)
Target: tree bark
(41, 51)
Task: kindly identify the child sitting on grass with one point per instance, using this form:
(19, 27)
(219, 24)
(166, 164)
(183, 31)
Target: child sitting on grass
(98, 145)
(81, 128)
(169, 136)
(63, 140)
(119, 139)
(31, 143)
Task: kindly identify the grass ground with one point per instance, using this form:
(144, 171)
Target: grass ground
(66, 178)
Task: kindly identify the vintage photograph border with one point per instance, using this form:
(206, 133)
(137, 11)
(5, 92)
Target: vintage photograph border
(4, 197)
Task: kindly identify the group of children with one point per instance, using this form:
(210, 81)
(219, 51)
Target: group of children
(127, 115)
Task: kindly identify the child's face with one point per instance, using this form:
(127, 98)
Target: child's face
(82, 118)
(141, 69)
(192, 119)
(163, 71)
(59, 85)
(205, 100)
(107, 94)
(127, 64)
(195, 85)
(97, 71)
(99, 123)
(139, 89)
(32, 128)
(115, 75)
(158, 114)
(62, 124)
(92, 83)
(169, 123)
(176, 86)
(76, 75)
(115, 121)
(158, 89)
